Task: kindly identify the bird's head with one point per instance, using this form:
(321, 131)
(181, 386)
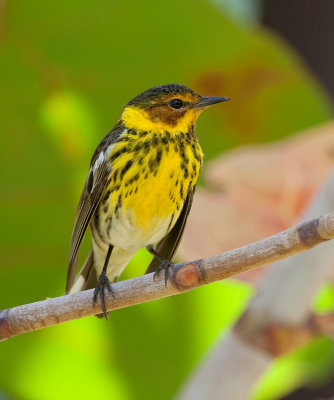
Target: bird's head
(173, 108)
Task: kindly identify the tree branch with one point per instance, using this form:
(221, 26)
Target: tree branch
(184, 277)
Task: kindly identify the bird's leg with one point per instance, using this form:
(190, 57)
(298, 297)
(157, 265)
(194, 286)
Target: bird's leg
(103, 283)
(165, 265)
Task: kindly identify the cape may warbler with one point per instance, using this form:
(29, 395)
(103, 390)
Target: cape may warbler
(140, 186)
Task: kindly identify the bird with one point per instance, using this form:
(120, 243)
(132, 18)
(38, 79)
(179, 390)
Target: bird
(139, 188)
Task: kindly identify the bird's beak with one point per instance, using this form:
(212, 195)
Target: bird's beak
(208, 101)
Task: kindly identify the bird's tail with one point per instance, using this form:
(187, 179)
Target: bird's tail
(87, 278)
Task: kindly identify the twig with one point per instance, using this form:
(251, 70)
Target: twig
(184, 277)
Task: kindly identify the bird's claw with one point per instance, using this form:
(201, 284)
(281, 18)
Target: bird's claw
(103, 283)
(166, 265)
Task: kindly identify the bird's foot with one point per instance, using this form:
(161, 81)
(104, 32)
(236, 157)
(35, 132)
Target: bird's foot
(166, 265)
(99, 290)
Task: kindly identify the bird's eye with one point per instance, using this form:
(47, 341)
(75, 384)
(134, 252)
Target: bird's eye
(176, 103)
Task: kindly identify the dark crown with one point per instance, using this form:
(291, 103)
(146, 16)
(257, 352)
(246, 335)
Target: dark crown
(159, 91)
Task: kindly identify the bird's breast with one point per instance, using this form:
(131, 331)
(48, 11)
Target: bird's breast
(151, 175)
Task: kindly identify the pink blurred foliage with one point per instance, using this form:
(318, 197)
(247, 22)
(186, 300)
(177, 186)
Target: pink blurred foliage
(256, 191)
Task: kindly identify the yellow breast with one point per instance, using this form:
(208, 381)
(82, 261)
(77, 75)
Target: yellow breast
(151, 176)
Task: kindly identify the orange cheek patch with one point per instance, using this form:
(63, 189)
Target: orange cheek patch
(165, 114)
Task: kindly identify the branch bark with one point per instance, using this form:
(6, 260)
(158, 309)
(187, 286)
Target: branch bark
(184, 277)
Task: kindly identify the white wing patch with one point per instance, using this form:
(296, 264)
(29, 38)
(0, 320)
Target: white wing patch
(99, 161)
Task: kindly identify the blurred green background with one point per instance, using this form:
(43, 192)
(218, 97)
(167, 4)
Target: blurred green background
(66, 70)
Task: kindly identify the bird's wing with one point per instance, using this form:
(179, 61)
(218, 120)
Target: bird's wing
(169, 244)
(96, 183)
